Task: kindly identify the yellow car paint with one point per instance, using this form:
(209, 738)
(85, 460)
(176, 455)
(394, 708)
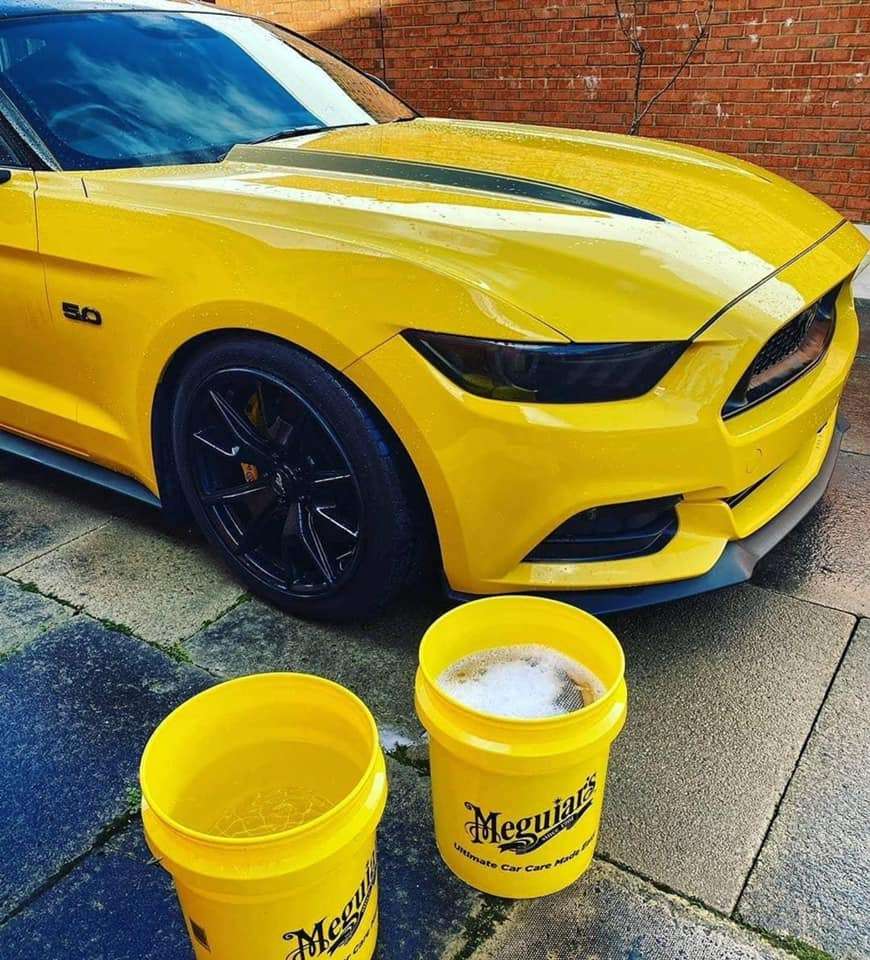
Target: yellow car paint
(30, 402)
(341, 264)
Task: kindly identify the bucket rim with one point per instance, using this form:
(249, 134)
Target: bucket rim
(526, 723)
(310, 826)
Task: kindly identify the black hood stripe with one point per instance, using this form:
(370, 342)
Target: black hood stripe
(443, 176)
(733, 303)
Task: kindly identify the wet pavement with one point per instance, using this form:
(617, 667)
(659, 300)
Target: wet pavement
(737, 821)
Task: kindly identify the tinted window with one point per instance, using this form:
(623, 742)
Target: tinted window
(135, 89)
(7, 157)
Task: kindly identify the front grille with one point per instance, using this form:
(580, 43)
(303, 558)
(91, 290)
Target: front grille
(785, 343)
(790, 353)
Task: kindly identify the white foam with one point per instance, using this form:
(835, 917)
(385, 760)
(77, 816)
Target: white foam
(525, 681)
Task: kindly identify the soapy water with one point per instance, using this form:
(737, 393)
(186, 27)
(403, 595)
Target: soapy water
(527, 681)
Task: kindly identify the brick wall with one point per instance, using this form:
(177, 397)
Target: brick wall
(781, 82)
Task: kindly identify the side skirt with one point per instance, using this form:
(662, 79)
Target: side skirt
(76, 467)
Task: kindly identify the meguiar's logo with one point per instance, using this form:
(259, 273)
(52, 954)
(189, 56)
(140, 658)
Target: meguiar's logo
(528, 834)
(327, 936)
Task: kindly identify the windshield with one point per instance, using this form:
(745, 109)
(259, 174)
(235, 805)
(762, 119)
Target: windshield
(107, 90)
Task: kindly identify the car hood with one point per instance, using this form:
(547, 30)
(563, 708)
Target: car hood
(599, 236)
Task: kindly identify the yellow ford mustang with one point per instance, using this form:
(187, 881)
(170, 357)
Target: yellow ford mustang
(239, 276)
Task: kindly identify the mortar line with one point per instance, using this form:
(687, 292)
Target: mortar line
(103, 836)
(57, 546)
(779, 802)
(115, 626)
(383, 42)
(814, 603)
(242, 598)
(27, 586)
(662, 887)
(785, 943)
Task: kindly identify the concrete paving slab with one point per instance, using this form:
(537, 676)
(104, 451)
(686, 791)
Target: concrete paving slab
(38, 513)
(25, 615)
(610, 915)
(811, 879)
(826, 559)
(723, 691)
(76, 709)
(377, 661)
(161, 585)
(114, 905)
(423, 906)
(856, 406)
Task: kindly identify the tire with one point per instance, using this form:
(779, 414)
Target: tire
(258, 425)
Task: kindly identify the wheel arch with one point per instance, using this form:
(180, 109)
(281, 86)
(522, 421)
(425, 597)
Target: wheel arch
(171, 496)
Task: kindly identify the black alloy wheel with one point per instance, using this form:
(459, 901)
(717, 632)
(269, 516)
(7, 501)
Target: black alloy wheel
(294, 481)
(275, 482)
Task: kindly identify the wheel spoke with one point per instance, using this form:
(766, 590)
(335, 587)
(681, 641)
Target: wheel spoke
(298, 436)
(209, 439)
(256, 532)
(282, 432)
(264, 408)
(300, 526)
(321, 511)
(243, 431)
(330, 476)
(235, 493)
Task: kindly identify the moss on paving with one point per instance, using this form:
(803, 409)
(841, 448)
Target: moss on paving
(402, 754)
(482, 925)
(28, 586)
(176, 652)
(791, 945)
(117, 627)
(244, 598)
(133, 796)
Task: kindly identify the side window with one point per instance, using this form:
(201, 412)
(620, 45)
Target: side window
(7, 156)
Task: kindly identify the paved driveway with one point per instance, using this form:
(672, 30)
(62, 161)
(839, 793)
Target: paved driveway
(737, 814)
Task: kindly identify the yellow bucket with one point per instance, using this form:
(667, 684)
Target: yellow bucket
(517, 802)
(262, 798)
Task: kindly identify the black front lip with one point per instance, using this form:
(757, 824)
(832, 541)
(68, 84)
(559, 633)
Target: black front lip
(736, 565)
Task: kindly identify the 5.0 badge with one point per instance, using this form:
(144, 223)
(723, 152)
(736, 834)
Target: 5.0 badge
(72, 311)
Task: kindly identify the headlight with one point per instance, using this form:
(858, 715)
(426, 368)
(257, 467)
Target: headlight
(548, 372)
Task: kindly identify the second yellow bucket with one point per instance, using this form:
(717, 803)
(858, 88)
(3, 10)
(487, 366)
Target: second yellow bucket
(262, 798)
(518, 802)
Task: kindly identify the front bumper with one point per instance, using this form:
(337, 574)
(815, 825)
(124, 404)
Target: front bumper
(736, 564)
(501, 477)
